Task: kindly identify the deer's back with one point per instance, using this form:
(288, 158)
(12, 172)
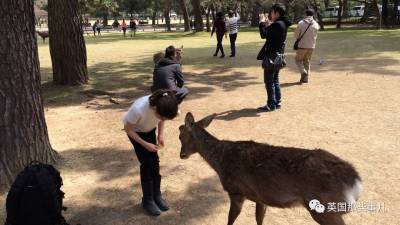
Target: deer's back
(282, 176)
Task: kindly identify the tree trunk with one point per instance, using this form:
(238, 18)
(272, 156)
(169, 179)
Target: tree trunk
(67, 45)
(23, 133)
(395, 13)
(255, 15)
(385, 13)
(208, 26)
(378, 14)
(167, 9)
(327, 3)
(198, 18)
(213, 12)
(345, 10)
(153, 19)
(167, 20)
(105, 20)
(243, 14)
(185, 15)
(339, 16)
(248, 11)
(320, 21)
(314, 5)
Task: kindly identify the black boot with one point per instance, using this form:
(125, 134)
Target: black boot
(304, 78)
(148, 203)
(161, 203)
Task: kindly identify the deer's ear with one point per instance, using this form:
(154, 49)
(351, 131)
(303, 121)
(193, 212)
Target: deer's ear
(206, 120)
(189, 119)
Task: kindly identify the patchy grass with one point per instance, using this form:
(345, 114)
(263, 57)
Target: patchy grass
(116, 63)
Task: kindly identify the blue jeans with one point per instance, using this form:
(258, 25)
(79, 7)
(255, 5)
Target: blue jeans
(271, 80)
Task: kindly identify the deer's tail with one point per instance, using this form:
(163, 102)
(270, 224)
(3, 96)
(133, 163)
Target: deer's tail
(352, 193)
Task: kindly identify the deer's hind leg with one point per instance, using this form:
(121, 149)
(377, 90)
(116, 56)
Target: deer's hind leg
(260, 213)
(236, 207)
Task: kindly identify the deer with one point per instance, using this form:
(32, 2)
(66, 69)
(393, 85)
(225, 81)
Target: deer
(43, 35)
(273, 176)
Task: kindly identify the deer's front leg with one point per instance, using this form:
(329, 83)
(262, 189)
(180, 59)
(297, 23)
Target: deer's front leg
(260, 213)
(236, 206)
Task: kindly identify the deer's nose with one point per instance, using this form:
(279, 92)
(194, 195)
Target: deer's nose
(183, 156)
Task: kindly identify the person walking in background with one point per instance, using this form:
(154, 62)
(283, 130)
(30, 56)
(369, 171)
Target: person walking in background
(275, 35)
(140, 124)
(98, 28)
(133, 27)
(124, 26)
(233, 30)
(219, 28)
(306, 38)
(168, 73)
(94, 27)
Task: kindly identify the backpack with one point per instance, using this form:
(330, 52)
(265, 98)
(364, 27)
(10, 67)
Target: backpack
(35, 197)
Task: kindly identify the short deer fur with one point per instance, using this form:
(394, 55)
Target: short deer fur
(271, 175)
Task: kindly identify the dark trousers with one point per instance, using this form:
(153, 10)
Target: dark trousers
(271, 80)
(149, 161)
(181, 94)
(220, 37)
(232, 38)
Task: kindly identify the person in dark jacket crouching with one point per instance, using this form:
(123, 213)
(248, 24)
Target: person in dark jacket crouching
(274, 32)
(168, 74)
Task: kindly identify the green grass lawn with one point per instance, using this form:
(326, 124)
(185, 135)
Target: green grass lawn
(116, 63)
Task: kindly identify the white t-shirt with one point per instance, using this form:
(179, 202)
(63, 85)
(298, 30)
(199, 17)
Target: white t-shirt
(231, 24)
(142, 115)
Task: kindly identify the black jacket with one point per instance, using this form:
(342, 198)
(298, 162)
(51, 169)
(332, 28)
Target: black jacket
(167, 75)
(275, 35)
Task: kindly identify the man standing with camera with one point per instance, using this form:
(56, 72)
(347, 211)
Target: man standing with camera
(232, 25)
(274, 32)
(306, 38)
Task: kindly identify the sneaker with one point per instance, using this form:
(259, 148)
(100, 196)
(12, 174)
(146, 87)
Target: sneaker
(232, 56)
(222, 56)
(265, 108)
(215, 54)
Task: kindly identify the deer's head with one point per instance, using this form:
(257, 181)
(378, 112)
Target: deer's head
(188, 135)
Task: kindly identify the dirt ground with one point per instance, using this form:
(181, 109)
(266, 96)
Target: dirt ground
(350, 108)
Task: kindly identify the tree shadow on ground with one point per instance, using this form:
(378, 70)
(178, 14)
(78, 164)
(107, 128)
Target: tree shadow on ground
(120, 207)
(126, 81)
(114, 37)
(291, 84)
(237, 114)
(110, 203)
(221, 77)
(115, 85)
(112, 163)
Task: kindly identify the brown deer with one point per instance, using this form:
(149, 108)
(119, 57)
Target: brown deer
(273, 176)
(43, 35)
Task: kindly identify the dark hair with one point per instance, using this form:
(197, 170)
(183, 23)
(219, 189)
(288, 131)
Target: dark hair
(220, 15)
(170, 51)
(279, 8)
(230, 13)
(157, 57)
(165, 103)
(309, 12)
